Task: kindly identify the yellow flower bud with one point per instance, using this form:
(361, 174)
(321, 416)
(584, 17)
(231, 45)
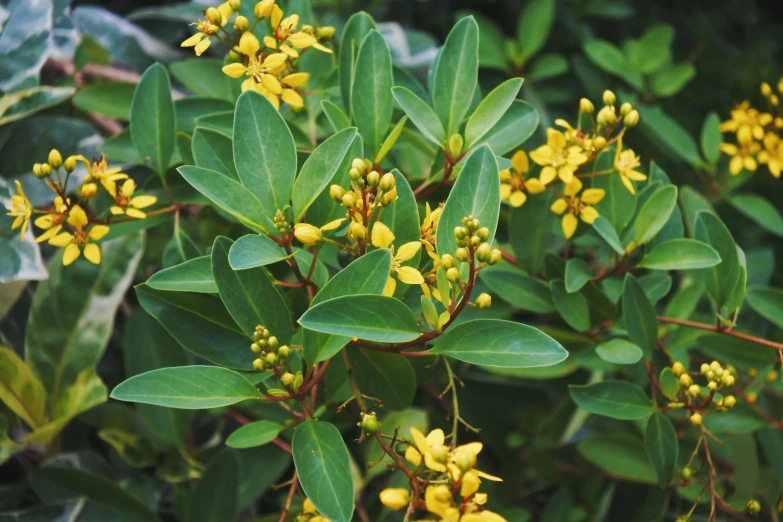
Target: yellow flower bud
(255, 348)
(389, 197)
(609, 98)
(348, 200)
(387, 182)
(447, 261)
(271, 358)
(685, 380)
(55, 159)
(495, 256)
(715, 366)
(325, 32)
(37, 170)
(470, 483)
(727, 380)
(70, 163)
(357, 231)
(729, 401)
(373, 178)
(752, 396)
(483, 252)
(631, 119)
(694, 390)
(241, 23)
(712, 385)
(259, 365)
(599, 143)
(462, 254)
(287, 378)
(395, 498)
(772, 375)
(336, 192)
(766, 90)
(89, 190)
(586, 106)
(264, 8)
(455, 145)
(452, 274)
(678, 368)
(214, 16)
(46, 169)
(484, 300)
(625, 108)
(307, 234)
(696, 419)
(283, 352)
(704, 368)
(358, 164)
(686, 473)
(753, 507)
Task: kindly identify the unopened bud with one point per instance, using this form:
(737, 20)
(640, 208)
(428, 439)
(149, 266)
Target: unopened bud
(354, 174)
(727, 380)
(452, 274)
(704, 368)
(70, 163)
(455, 145)
(214, 16)
(753, 507)
(686, 473)
(348, 200)
(599, 143)
(766, 90)
(483, 233)
(483, 252)
(272, 342)
(357, 231)
(729, 401)
(271, 358)
(241, 23)
(395, 498)
(696, 419)
(283, 352)
(259, 365)
(264, 8)
(609, 98)
(625, 108)
(369, 423)
(678, 368)
(387, 182)
(336, 192)
(287, 378)
(460, 233)
(586, 106)
(55, 159)
(631, 119)
(255, 348)
(495, 256)
(389, 197)
(234, 57)
(484, 300)
(462, 254)
(89, 190)
(46, 170)
(694, 390)
(37, 170)
(325, 32)
(685, 380)
(373, 178)
(307, 234)
(447, 261)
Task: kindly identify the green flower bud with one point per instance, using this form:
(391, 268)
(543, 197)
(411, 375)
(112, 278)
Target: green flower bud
(483, 233)
(287, 378)
(373, 178)
(370, 423)
(495, 257)
(259, 365)
(462, 254)
(483, 252)
(283, 352)
(325, 32)
(753, 507)
(387, 182)
(271, 358)
(234, 57)
(367, 165)
(452, 274)
(455, 145)
(272, 342)
(336, 192)
(686, 473)
(484, 300)
(447, 261)
(55, 159)
(255, 348)
(355, 174)
(460, 233)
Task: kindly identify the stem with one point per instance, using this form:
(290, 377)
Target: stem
(715, 328)
(289, 499)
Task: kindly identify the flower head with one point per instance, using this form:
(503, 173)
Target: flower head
(572, 205)
(289, 38)
(625, 163)
(207, 27)
(127, 203)
(558, 158)
(21, 209)
(742, 156)
(52, 222)
(513, 184)
(79, 240)
(98, 170)
(748, 123)
(772, 155)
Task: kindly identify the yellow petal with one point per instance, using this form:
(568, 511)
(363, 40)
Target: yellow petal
(433, 464)
(143, 201)
(566, 174)
(519, 162)
(569, 225)
(277, 15)
(322, 48)
(93, 253)
(391, 286)
(292, 98)
(635, 175)
(592, 196)
(735, 165)
(588, 214)
(302, 40)
(61, 240)
(248, 44)
(117, 211)
(559, 206)
(534, 186)
(270, 42)
(628, 184)
(436, 438)
(573, 188)
(382, 236)
(412, 455)
(77, 217)
(48, 234)
(542, 155)
(44, 222)
(202, 46)
(193, 40)
(409, 275)
(271, 84)
(274, 60)
(290, 51)
(296, 79)
(505, 191)
(332, 225)
(135, 213)
(487, 476)
(235, 70)
(420, 440)
(555, 139)
(98, 231)
(470, 483)
(407, 251)
(517, 198)
(547, 175)
(129, 187)
(71, 254)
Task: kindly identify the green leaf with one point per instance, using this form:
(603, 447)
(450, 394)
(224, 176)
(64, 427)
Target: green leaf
(547, 66)
(21, 104)
(264, 151)
(60, 484)
(654, 214)
(760, 211)
(319, 169)
(619, 351)
(227, 195)
(83, 298)
(571, 307)
(337, 118)
(721, 279)
(25, 43)
(692, 202)
(222, 122)
(680, 254)
(391, 139)
(254, 434)
(213, 150)
(514, 128)
(356, 29)
(20, 390)
(639, 316)
(216, 497)
(616, 399)
(385, 376)
(254, 250)
(179, 248)
(366, 275)
(670, 135)
(324, 468)
(518, 289)
(577, 275)
(421, 114)
(476, 193)
(153, 119)
(495, 343)
(111, 99)
(660, 441)
(369, 317)
(653, 50)
(606, 230)
(767, 302)
(711, 138)
(456, 75)
(194, 275)
(187, 387)
(203, 76)
(620, 455)
(670, 384)
(534, 26)
(371, 99)
(491, 110)
(200, 323)
(250, 296)
(671, 80)
(193, 108)
(612, 60)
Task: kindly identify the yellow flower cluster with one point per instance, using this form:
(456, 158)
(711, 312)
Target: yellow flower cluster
(453, 493)
(267, 68)
(310, 514)
(565, 153)
(64, 212)
(718, 377)
(758, 135)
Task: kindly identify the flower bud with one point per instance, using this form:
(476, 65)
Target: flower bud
(89, 190)
(325, 32)
(694, 390)
(606, 116)
(336, 192)
(462, 254)
(214, 16)
(686, 473)
(241, 23)
(348, 200)
(483, 233)
(752, 397)
(715, 366)
(727, 380)
(283, 352)
(46, 170)
(373, 178)
(447, 261)
(37, 171)
(70, 163)
(625, 108)
(387, 182)
(609, 98)
(753, 507)
(484, 300)
(389, 197)
(586, 106)
(599, 143)
(712, 386)
(696, 419)
(475, 241)
(455, 145)
(766, 90)
(235, 5)
(234, 57)
(272, 342)
(354, 174)
(704, 368)
(452, 274)
(771, 376)
(483, 252)
(465, 460)
(307, 28)
(307, 234)
(259, 365)
(287, 378)
(367, 165)
(395, 498)
(678, 368)
(358, 164)
(460, 233)
(685, 380)
(357, 231)
(271, 358)
(631, 119)
(729, 401)
(255, 348)
(264, 8)
(369, 423)
(55, 159)
(495, 256)
(439, 452)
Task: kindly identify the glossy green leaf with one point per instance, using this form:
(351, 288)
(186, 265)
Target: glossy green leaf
(660, 441)
(619, 455)
(491, 110)
(356, 29)
(767, 302)
(84, 299)
(20, 389)
(227, 195)
(337, 118)
(577, 275)
(369, 317)
(680, 254)
(187, 387)
(254, 434)
(264, 151)
(760, 211)
(514, 128)
(491, 342)
(672, 79)
(654, 214)
(519, 289)
(324, 468)
(612, 60)
(385, 376)
(192, 108)
(180, 248)
(607, 232)
(571, 306)
(616, 399)
(421, 114)
(371, 99)
(534, 26)
(194, 275)
(669, 134)
(250, 296)
(216, 497)
(641, 322)
(476, 193)
(111, 99)
(255, 250)
(456, 75)
(21, 104)
(200, 323)
(548, 66)
(153, 119)
(213, 150)
(721, 279)
(619, 351)
(711, 138)
(669, 382)
(366, 275)
(203, 76)
(319, 169)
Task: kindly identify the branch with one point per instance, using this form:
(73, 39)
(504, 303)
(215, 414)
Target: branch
(714, 328)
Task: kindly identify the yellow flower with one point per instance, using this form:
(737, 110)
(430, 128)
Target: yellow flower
(748, 123)
(625, 163)
(573, 206)
(98, 170)
(772, 155)
(206, 28)
(395, 498)
(429, 227)
(21, 209)
(383, 237)
(126, 203)
(285, 31)
(513, 184)
(309, 234)
(439, 501)
(431, 448)
(52, 222)
(557, 158)
(741, 157)
(74, 243)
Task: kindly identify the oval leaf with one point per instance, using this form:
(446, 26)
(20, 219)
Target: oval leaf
(662, 447)
(254, 250)
(490, 110)
(655, 213)
(254, 434)
(456, 74)
(371, 99)
(615, 399)
(153, 119)
(619, 351)
(421, 114)
(194, 275)
(680, 254)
